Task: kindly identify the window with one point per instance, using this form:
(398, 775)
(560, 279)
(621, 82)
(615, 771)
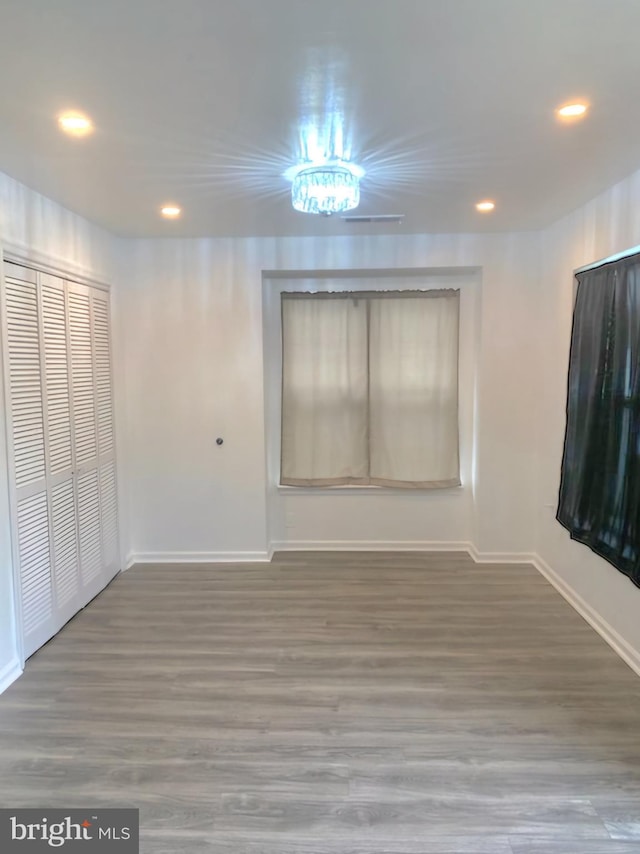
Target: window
(600, 480)
(370, 389)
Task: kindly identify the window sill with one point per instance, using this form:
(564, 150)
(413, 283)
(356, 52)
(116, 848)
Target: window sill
(366, 490)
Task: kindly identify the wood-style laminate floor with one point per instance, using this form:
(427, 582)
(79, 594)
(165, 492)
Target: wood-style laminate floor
(334, 704)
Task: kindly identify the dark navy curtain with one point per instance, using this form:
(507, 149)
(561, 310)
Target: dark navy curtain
(600, 482)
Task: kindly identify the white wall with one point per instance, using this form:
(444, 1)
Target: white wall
(36, 226)
(192, 334)
(607, 225)
(32, 225)
(192, 341)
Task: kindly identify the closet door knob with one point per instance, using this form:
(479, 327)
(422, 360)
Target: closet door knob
(219, 441)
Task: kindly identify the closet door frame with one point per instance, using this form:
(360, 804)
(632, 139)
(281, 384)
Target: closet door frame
(39, 264)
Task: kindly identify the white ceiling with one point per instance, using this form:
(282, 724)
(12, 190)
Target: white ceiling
(203, 102)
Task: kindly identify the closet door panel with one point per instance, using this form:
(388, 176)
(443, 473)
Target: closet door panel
(109, 519)
(82, 375)
(25, 384)
(102, 362)
(65, 549)
(26, 417)
(89, 533)
(57, 382)
(36, 587)
(101, 338)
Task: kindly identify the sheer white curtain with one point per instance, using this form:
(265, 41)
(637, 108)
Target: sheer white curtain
(413, 375)
(324, 391)
(370, 389)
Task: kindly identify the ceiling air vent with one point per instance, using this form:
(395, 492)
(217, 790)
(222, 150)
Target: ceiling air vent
(380, 218)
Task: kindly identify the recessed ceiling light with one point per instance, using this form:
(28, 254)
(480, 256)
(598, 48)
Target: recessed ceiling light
(485, 206)
(572, 111)
(75, 124)
(171, 211)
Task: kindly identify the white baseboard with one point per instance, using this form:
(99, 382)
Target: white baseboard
(329, 546)
(500, 557)
(9, 674)
(195, 558)
(368, 546)
(618, 644)
(402, 546)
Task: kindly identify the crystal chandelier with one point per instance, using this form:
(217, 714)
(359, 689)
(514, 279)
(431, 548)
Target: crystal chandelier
(326, 189)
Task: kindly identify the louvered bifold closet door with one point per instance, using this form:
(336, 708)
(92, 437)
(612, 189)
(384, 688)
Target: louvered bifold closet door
(59, 431)
(85, 422)
(57, 357)
(26, 413)
(107, 486)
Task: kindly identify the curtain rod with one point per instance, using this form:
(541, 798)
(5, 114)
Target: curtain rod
(617, 257)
